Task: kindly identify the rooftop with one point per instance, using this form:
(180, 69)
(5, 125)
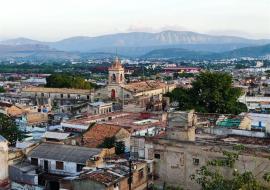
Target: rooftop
(204, 140)
(141, 86)
(56, 135)
(136, 122)
(62, 152)
(96, 134)
(56, 90)
(95, 104)
(104, 177)
(94, 118)
(2, 139)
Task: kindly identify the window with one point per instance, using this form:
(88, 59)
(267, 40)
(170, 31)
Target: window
(34, 161)
(115, 185)
(61, 95)
(182, 159)
(141, 174)
(80, 167)
(68, 95)
(157, 156)
(121, 78)
(113, 78)
(59, 165)
(196, 161)
(88, 97)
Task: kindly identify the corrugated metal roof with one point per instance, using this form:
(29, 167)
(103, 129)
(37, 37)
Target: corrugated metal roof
(62, 152)
(229, 123)
(55, 135)
(2, 139)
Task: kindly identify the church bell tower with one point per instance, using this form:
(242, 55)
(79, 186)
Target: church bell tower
(116, 78)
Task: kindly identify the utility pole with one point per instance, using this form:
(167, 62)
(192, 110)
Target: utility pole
(130, 174)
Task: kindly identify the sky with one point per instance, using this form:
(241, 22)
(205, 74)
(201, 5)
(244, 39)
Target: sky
(51, 20)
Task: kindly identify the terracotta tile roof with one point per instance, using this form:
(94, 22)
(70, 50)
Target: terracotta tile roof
(14, 111)
(56, 90)
(96, 134)
(104, 177)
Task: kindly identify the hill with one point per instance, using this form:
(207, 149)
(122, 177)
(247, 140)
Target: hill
(254, 51)
(140, 43)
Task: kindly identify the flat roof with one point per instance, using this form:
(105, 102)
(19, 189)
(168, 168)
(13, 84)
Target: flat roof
(55, 135)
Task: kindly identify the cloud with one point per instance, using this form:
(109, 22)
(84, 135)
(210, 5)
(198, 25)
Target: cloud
(141, 28)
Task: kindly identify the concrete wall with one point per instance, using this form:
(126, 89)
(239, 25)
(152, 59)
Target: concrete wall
(59, 95)
(225, 131)
(176, 162)
(3, 160)
(245, 123)
(69, 167)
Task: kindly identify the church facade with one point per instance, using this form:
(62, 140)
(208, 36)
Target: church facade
(118, 89)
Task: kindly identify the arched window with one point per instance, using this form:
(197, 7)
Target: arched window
(113, 94)
(113, 78)
(121, 77)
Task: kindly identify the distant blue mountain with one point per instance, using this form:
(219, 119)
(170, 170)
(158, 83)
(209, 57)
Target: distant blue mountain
(140, 43)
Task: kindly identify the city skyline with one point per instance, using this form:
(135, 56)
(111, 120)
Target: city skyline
(55, 20)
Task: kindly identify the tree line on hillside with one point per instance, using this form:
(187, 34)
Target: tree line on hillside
(68, 81)
(211, 92)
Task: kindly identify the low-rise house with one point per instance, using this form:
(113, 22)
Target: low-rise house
(58, 161)
(57, 93)
(33, 121)
(99, 132)
(63, 159)
(100, 107)
(115, 176)
(82, 124)
(23, 175)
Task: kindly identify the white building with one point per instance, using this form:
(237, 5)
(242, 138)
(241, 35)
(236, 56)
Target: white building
(62, 159)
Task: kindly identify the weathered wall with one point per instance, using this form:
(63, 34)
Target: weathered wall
(3, 160)
(176, 163)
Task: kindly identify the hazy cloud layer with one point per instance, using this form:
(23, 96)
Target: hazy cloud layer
(58, 19)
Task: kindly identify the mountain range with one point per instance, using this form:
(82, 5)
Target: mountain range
(134, 44)
(254, 51)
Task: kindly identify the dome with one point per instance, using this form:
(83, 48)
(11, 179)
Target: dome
(117, 64)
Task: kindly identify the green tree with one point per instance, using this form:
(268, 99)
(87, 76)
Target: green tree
(119, 147)
(210, 176)
(2, 90)
(108, 142)
(211, 92)
(111, 142)
(181, 95)
(9, 130)
(68, 81)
